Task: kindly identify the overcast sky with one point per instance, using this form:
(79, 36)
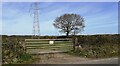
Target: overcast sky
(100, 17)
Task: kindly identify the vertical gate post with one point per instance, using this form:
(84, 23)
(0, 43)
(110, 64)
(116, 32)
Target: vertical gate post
(24, 46)
(73, 40)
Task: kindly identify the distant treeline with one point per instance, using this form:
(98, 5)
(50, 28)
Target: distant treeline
(30, 37)
(83, 39)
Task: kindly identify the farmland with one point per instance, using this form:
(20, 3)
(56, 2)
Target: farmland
(94, 46)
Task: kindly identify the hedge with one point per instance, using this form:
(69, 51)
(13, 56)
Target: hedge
(97, 46)
(98, 39)
(13, 52)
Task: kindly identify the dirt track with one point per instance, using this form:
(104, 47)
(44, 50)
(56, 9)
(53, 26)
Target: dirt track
(58, 59)
(69, 59)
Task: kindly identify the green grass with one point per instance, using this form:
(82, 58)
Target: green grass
(25, 57)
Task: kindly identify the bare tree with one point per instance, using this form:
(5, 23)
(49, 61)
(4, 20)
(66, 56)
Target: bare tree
(69, 23)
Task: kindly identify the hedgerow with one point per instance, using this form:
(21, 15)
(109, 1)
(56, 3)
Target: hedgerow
(13, 51)
(97, 46)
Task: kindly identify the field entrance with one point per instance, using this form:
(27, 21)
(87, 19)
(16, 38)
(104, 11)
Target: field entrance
(36, 46)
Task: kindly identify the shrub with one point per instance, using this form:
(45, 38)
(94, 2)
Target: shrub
(97, 51)
(97, 46)
(98, 39)
(13, 51)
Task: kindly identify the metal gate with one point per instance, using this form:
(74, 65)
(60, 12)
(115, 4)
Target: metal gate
(35, 46)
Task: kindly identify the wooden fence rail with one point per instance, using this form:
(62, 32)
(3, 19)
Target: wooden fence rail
(46, 46)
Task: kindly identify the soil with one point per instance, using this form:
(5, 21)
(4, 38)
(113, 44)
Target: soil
(60, 58)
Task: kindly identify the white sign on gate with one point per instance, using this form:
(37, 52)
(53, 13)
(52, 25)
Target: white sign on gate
(51, 42)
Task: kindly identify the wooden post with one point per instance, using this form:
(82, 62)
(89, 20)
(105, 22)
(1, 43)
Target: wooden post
(73, 39)
(24, 46)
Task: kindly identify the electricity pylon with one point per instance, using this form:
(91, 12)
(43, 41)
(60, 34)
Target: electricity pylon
(36, 28)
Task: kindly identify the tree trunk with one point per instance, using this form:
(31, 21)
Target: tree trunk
(67, 34)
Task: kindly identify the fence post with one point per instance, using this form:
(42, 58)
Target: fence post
(24, 46)
(73, 40)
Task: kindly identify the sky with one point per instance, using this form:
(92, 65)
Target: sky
(100, 17)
